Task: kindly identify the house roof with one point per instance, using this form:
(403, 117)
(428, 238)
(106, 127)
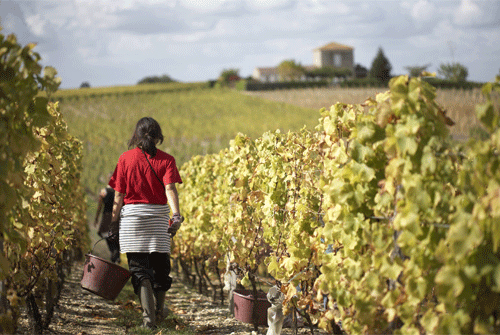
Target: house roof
(334, 46)
(267, 70)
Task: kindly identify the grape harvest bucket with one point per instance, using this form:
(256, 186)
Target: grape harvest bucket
(244, 305)
(102, 277)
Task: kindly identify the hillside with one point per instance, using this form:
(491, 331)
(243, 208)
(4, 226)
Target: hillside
(198, 120)
(194, 121)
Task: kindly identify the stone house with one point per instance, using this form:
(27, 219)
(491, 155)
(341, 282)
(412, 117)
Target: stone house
(271, 74)
(332, 54)
(335, 55)
(266, 74)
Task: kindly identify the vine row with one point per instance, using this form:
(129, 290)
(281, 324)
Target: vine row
(375, 222)
(42, 207)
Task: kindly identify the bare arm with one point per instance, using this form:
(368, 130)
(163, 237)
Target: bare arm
(172, 197)
(117, 206)
(99, 206)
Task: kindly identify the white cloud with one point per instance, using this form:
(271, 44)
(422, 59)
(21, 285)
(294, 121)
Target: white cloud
(443, 40)
(11, 22)
(423, 11)
(204, 5)
(322, 7)
(468, 13)
(110, 5)
(268, 4)
(37, 24)
(184, 38)
(129, 44)
(281, 45)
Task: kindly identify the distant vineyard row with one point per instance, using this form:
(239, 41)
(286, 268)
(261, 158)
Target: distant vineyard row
(376, 223)
(84, 93)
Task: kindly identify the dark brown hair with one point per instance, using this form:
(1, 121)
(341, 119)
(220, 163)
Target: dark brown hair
(147, 132)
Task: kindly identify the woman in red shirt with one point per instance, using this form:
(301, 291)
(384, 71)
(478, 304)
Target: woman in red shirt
(144, 182)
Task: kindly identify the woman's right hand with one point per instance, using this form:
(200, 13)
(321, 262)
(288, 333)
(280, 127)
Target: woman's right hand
(177, 220)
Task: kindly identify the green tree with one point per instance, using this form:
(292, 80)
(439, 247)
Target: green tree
(453, 71)
(290, 70)
(156, 79)
(360, 71)
(416, 70)
(381, 68)
(329, 72)
(227, 76)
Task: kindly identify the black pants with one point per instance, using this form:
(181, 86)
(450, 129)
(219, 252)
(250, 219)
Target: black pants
(154, 266)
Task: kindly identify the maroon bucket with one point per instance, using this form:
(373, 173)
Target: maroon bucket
(102, 277)
(243, 306)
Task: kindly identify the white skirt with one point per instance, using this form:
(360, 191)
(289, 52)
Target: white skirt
(143, 228)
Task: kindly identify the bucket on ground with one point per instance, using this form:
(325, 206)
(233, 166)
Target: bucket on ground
(243, 306)
(102, 277)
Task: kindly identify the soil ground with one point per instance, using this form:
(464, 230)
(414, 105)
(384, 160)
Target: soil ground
(80, 312)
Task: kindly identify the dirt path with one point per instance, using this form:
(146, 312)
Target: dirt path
(79, 311)
(82, 313)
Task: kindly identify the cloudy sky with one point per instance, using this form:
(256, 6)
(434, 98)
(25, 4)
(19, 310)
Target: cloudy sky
(119, 42)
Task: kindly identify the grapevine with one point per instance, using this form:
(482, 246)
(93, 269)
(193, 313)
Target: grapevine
(371, 221)
(42, 204)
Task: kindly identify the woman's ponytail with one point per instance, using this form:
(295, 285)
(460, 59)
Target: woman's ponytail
(146, 135)
(148, 144)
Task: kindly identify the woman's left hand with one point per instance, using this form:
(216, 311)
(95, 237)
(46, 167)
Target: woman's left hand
(113, 234)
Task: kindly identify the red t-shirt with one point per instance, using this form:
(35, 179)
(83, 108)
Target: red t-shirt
(134, 178)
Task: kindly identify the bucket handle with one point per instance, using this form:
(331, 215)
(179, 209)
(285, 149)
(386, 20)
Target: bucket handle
(92, 251)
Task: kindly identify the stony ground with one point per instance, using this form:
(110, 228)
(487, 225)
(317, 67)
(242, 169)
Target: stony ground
(83, 313)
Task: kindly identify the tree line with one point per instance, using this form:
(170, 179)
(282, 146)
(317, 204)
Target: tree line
(380, 71)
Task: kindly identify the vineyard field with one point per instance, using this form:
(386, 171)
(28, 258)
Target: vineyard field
(459, 104)
(194, 121)
(198, 120)
(96, 92)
